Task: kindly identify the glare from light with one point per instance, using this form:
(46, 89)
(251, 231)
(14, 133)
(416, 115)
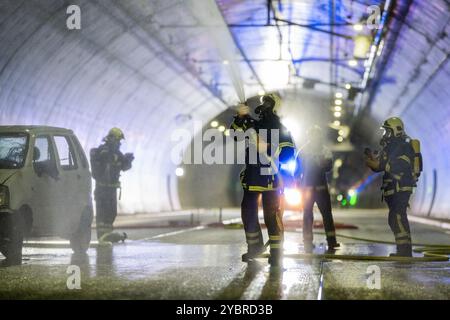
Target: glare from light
(338, 102)
(289, 166)
(338, 162)
(352, 63)
(351, 192)
(221, 128)
(358, 27)
(225, 62)
(337, 114)
(337, 108)
(338, 95)
(179, 172)
(339, 197)
(337, 123)
(348, 86)
(292, 126)
(214, 124)
(227, 132)
(261, 92)
(340, 139)
(341, 132)
(292, 196)
(275, 74)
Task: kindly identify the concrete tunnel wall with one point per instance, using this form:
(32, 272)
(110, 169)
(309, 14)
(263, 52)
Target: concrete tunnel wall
(113, 73)
(107, 74)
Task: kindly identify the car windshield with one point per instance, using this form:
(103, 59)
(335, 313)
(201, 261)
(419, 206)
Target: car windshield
(13, 148)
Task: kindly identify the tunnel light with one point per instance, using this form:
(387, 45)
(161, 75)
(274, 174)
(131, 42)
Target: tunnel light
(292, 196)
(339, 95)
(338, 163)
(225, 62)
(341, 132)
(337, 114)
(214, 124)
(352, 63)
(358, 27)
(337, 108)
(179, 172)
(261, 92)
(351, 192)
(338, 102)
(339, 197)
(221, 128)
(362, 46)
(337, 123)
(227, 132)
(340, 139)
(348, 86)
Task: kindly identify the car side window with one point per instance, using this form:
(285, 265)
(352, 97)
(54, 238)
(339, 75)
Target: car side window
(65, 151)
(42, 152)
(80, 151)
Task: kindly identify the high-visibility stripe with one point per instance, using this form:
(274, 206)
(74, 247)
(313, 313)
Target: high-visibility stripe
(258, 188)
(275, 246)
(400, 225)
(252, 234)
(402, 235)
(253, 241)
(389, 192)
(331, 234)
(406, 241)
(388, 167)
(275, 238)
(405, 158)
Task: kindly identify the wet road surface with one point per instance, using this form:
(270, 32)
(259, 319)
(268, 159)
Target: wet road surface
(189, 258)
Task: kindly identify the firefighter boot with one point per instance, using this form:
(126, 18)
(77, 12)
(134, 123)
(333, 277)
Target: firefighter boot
(253, 251)
(332, 244)
(403, 250)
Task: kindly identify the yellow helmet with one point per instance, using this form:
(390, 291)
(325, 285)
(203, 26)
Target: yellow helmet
(116, 133)
(395, 125)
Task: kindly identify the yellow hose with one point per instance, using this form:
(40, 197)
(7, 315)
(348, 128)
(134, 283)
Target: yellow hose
(431, 252)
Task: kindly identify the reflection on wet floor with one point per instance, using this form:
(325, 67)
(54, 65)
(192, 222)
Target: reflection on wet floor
(205, 264)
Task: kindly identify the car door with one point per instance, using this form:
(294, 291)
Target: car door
(69, 200)
(44, 186)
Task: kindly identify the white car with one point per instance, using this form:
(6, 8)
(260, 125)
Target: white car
(45, 188)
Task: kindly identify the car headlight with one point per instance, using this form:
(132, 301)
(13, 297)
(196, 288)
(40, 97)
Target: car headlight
(4, 197)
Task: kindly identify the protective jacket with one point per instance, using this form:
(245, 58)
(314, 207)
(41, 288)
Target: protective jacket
(262, 170)
(397, 160)
(106, 164)
(314, 165)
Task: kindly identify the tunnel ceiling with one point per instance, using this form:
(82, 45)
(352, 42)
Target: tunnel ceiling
(150, 67)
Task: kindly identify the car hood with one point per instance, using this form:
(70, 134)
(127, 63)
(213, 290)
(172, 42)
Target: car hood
(5, 175)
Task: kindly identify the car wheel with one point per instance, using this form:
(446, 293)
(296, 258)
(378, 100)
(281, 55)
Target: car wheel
(12, 226)
(80, 240)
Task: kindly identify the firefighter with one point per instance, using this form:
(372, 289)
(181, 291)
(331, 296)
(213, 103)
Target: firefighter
(107, 161)
(316, 161)
(401, 165)
(260, 176)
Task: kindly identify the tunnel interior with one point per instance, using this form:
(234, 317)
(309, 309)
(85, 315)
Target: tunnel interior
(152, 68)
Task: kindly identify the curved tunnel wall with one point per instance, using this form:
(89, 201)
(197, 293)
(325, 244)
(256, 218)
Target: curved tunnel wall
(109, 73)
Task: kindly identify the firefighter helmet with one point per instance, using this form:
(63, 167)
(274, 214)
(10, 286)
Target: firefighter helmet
(271, 101)
(116, 133)
(395, 125)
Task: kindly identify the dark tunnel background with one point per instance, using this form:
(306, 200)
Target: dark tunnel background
(147, 67)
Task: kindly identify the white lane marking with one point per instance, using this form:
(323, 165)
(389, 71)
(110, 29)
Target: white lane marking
(168, 234)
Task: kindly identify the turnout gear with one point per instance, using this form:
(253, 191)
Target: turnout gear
(401, 162)
(107, 161)
(261, 177)
(316, 161)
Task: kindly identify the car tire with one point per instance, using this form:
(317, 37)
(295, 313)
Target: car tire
(80, 240)
(12, 238)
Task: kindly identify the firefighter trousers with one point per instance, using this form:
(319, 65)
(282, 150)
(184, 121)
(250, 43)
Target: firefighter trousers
(322, 198)
(272, 219)
(398, 221)
(106, 209)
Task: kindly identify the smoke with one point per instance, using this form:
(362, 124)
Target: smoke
(209, 16)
